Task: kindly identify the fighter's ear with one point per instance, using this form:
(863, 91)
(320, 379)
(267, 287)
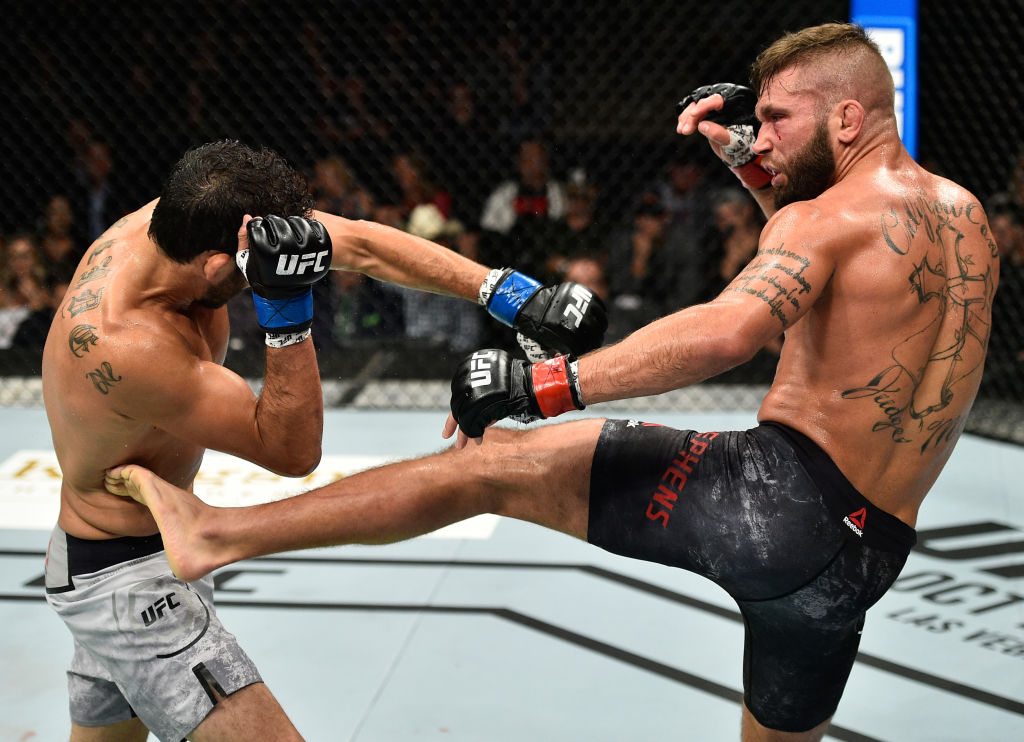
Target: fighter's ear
(216, 265)
(850, 117)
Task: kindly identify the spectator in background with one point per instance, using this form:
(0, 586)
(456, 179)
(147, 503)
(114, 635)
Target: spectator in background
(683, 191)
(1004, 367)
(365, 308)
(22, 285)
(467, 168)
(99, 201)
(416, 186)
(517, 213)
(61, 244)
(737, 229)
(336, 190)
(30, 336)
(581, 234)
(655, 266)
(738, 223)
(531, 194)
(588, 272)
(443, 320)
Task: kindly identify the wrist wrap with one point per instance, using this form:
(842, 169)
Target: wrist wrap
(509, 295)
(556, 386)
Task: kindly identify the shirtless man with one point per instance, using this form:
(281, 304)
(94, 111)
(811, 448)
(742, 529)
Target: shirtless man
(880, 274)
(132, 373)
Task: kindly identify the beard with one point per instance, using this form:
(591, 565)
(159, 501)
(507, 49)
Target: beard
(219, 294)
(810, 171)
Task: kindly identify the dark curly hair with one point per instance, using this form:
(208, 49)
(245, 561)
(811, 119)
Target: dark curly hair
(213, 186)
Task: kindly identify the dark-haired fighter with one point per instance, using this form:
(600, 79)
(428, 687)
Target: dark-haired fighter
(132, 373)
(881, 275)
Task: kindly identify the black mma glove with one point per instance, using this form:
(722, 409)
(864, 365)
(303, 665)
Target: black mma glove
(285, 258)
(737, 115)
(490, 385)
(568, 318)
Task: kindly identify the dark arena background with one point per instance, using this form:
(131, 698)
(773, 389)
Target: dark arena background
(420, 114)
(392, 105)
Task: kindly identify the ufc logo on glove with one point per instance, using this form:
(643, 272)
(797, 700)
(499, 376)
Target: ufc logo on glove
(289, 265)
(480, 368)
(581, 297)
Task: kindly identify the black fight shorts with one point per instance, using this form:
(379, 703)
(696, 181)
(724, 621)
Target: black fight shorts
(767, 515)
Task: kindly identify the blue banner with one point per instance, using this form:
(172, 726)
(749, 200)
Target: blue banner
(892, 24)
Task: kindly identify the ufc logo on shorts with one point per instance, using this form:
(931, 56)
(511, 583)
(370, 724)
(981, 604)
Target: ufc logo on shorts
(480, 368)
(581, 297)
(156, 610)
(288, 265)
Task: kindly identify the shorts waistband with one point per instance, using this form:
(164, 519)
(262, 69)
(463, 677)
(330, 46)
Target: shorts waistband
(86, 556)
(868, 522)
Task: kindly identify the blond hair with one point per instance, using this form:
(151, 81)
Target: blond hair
(841, 58)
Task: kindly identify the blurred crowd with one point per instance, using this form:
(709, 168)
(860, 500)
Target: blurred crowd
(460, 149)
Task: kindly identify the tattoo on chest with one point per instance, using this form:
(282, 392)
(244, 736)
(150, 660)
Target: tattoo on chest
(915, 395)
(776, 277)
(103, 377)
(80, 338)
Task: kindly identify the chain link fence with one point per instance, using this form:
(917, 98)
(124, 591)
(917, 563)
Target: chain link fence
(423, 115)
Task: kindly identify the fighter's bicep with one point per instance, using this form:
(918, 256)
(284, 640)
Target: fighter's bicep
(192, 399)
(785, 277)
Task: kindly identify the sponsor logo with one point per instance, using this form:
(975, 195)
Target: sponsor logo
(290, 265)
(480, 368)
(855, 521)
(581, 298)
(156, 610)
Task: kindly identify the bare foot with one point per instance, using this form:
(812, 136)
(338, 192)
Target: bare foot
(179, 516)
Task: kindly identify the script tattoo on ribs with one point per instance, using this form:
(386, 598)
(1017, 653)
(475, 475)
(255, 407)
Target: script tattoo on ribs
(914, 399)
(775, 276)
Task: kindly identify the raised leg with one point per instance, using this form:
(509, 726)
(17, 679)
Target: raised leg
(541, 475)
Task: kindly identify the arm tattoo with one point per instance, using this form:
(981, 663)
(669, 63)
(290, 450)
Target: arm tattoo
(83, 302)
(103, 377)
(913, 398)
(95, 273)
(98, 249)
(775, 276)
(80, 338)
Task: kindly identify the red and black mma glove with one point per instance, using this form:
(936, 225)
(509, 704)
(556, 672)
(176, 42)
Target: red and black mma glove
(737, 115)
(567, 318)
(284, 259)
(491, 385)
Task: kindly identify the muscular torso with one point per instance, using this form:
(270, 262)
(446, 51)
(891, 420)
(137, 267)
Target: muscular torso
(882, 371)
(106, 312)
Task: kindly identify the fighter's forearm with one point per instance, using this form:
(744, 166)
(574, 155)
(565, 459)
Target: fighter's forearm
(290, 410)
(684, 348)
(391, 255)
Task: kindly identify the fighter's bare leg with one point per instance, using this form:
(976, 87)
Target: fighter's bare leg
(754, 731)
(541, 475)
(248, 714)
(131, 730)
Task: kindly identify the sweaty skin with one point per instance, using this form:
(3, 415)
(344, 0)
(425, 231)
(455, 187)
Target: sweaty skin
(132, 365)
(883, 285)
(880, 274)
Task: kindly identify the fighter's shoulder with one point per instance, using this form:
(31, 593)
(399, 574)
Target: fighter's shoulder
(809, 226)
(144, 340)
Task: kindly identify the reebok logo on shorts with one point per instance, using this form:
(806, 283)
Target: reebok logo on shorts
(855, 521)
